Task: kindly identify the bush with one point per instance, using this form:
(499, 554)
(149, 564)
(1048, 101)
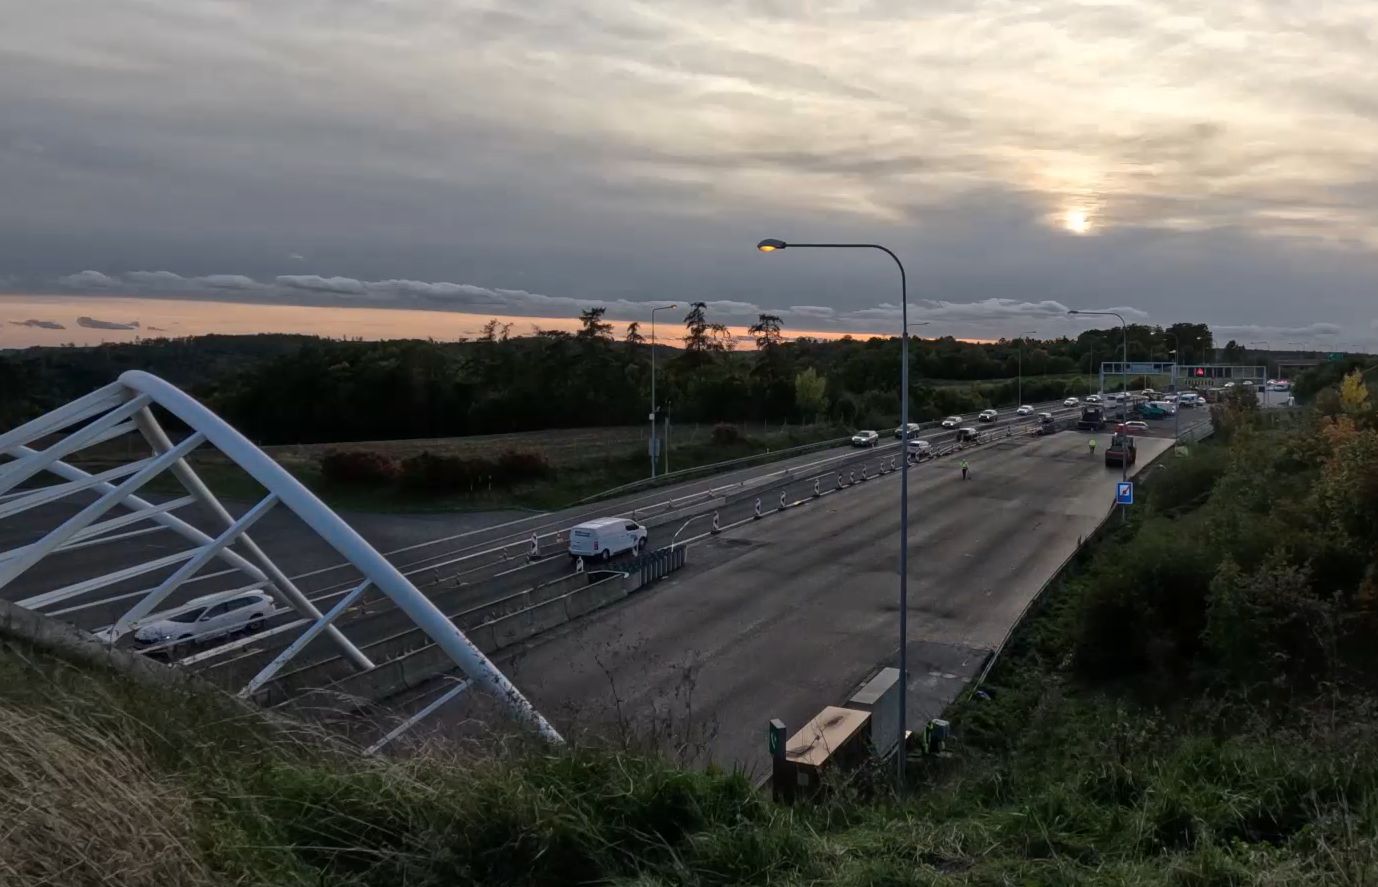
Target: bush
(430, 472)
(358, 467)
(1269, 625)
(514, 466)
(725, 434)
(1145, 607)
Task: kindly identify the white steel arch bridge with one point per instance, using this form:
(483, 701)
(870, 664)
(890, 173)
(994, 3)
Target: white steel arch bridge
(70, 496)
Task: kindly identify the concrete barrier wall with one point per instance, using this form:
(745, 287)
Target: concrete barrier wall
(400, 636)
(324, 688)
(684, 514)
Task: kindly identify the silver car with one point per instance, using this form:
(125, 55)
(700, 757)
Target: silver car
(207, 618)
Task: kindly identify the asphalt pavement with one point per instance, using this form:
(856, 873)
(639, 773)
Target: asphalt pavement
(781, 616)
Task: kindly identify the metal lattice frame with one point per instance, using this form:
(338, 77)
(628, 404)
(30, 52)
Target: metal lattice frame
(42, 448)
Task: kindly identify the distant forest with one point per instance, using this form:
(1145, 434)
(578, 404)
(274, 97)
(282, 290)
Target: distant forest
(303, 389)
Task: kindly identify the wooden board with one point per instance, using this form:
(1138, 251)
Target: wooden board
(831, 729)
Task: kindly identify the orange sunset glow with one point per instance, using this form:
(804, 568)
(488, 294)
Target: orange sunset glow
(174, 318)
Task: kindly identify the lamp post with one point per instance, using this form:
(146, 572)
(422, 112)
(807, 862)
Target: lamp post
(1124, 383)
(1019, 395)
(655, 451)
(1269, 345)
(772, 245)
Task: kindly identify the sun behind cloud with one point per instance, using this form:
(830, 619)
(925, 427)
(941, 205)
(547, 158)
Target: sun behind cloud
(1078, 221)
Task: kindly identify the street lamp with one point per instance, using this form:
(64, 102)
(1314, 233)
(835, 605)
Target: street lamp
(772, 245)
(655, 451)
(1269, 345)
(1176, 362)
(1124, 384)
(1020, 395)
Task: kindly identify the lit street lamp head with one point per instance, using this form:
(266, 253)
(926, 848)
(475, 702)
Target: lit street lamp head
(770, 245)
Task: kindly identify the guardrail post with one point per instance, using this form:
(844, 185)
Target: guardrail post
(579, 565)
(839, 480)
(757, 515)
(715, 523)
(851, 477)
(782, 500)
(863, 473)
(535, 547)
(816, 493)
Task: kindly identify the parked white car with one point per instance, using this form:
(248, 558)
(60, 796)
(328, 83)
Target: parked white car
(207, 618)
(1024, 410)
(865, 439)
(1070, 402)
(919, 450)
(605, 537)
(951, 422)
(987, 416)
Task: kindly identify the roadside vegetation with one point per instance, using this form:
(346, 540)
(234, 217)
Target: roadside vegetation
(303, 390)
(1191, 704)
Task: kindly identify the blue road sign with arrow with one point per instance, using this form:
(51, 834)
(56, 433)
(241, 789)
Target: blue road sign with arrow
(1124, 492)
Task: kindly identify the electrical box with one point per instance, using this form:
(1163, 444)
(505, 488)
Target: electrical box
(880, 696)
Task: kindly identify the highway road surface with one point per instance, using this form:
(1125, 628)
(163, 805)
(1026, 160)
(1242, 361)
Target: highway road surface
(745, 586)
(419, 545)
(780, 617)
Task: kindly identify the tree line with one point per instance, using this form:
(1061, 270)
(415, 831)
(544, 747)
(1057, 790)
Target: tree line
(297, 389)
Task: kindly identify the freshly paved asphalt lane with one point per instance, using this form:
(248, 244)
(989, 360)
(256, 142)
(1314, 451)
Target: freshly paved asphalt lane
(780, 617)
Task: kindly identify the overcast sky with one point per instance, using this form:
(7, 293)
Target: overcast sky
(1184, 160)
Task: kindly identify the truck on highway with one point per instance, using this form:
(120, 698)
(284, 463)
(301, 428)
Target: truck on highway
(605, 537)
(1092, 419)
(1121, 451)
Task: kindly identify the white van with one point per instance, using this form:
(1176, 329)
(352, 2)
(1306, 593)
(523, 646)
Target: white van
(605, 537)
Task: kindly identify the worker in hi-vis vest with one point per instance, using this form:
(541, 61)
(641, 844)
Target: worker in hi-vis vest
(965, 468)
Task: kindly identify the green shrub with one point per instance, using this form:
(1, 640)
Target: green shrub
(1145, 607)
(358, 467)
(725, 434)
(432, 472)
(1268, 626)
(516, 466)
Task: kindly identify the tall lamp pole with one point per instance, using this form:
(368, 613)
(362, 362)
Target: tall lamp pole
(655, 451)
(1124, 383)
(1019, 396)
(1269, 345)
(772, 245)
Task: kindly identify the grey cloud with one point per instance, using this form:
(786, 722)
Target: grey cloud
(1277, 335)
(87, 280)
(344, 286)
(621, 153)
(228, 281)
(92, 323)
(39, 324)
(821, 312)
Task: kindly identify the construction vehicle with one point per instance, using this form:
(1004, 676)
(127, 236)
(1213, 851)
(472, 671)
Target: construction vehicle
(1092, 419)
(1122, 451)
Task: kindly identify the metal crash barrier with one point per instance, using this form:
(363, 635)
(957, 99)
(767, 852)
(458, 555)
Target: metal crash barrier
(658, 564)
